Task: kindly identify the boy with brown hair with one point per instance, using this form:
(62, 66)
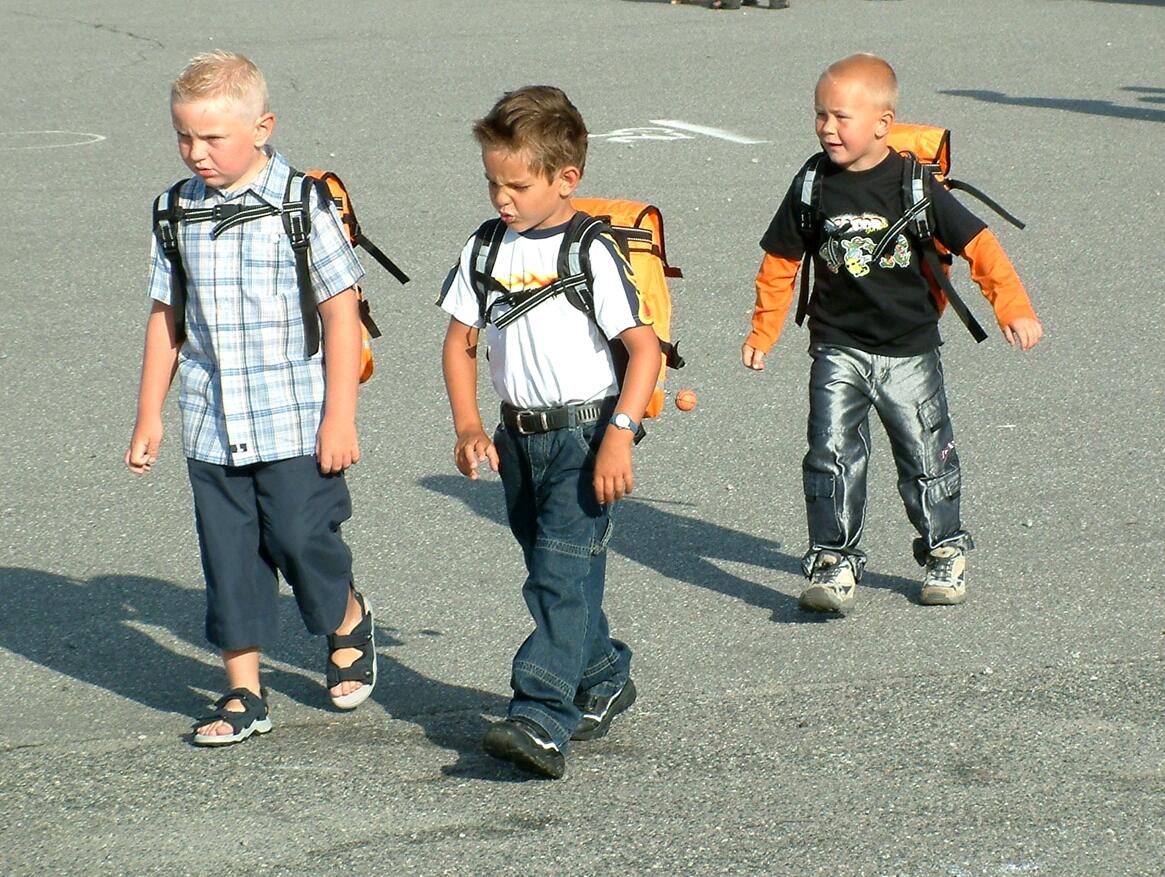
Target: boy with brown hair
(568, 423)
(268, 424)
(874, 338)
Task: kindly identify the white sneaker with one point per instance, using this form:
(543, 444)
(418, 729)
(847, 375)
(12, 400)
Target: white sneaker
(831, 585)
(944, 584)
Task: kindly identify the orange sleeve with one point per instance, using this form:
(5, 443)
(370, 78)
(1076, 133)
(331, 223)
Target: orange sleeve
(996, 277)
(774, 293)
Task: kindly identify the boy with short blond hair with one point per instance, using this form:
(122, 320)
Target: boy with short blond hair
(568, 423)
(268, 424)
(874, 339)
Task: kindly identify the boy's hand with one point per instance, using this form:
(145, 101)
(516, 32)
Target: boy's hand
(144, 446)
(473, 449)
(1026, 330)
(752, 358)
(613, 476)
(337, 446)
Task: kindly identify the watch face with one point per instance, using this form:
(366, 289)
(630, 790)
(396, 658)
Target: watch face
(623, 421)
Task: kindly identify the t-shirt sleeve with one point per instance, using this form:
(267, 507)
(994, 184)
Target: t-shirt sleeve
(332, 262)
(954, 225)
(160, 274)
(618, 304)
(458, 298)
(783, 237)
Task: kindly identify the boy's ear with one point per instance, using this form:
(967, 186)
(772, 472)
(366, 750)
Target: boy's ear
(264, 127)
(885, 123)
(568, 180)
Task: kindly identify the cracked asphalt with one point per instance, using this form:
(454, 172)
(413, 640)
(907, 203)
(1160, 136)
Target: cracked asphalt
(1020, 734)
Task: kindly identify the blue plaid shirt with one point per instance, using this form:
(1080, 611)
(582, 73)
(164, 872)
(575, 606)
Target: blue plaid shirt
(247, 390)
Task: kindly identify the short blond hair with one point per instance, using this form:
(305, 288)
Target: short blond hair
(539, 122)
(876, 74)
(222, 75)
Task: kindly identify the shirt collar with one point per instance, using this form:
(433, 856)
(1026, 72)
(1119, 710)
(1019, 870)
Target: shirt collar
(271, 183)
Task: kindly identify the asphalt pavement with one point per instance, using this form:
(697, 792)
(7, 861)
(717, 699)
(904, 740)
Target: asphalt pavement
(1020, 734)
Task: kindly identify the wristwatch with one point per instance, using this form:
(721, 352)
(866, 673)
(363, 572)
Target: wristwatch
(624, 421)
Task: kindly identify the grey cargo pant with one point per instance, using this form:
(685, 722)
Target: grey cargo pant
(907, 392)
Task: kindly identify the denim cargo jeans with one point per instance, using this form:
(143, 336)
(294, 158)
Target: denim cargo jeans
(563, 532)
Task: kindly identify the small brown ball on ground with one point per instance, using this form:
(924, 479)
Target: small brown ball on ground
(686, 400)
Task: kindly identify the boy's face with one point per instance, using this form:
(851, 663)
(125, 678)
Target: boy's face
(851, 125)
(222, 141)
(524, 198)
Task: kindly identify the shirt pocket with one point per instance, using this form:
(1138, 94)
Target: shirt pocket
(268, 265)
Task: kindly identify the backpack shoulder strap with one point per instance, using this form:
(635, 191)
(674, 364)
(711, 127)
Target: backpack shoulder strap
(918, 217)
(484, 255)
(167, 213)
(296, 215)
(574, 259)
(807, 184)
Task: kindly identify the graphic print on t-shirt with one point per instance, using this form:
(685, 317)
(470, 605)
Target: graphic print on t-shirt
(849, 241)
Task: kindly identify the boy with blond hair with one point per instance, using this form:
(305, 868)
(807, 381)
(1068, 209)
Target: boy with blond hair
(268, 422)
(563, 447)
(874, 338)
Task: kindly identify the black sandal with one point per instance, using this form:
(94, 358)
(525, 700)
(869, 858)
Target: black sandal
(253, 719)
(363, 669)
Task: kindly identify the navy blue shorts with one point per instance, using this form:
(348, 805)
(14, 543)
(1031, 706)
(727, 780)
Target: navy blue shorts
(254, 520)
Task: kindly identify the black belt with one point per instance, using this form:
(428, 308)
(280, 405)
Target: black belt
(531, 421)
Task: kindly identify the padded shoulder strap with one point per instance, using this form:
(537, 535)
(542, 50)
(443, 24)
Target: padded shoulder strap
(807, 184)
(482, 259)
(296, 215)
(167, 213)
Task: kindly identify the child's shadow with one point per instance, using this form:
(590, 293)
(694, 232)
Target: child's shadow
(680, 547)
(118, 632)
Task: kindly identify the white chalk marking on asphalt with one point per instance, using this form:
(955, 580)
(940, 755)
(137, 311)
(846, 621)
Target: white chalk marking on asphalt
(707, 131)
(40, 139)
(630, 135)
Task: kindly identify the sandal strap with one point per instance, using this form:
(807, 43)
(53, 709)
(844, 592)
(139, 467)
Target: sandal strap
(361, 637)
(254, 708)
(360, 670)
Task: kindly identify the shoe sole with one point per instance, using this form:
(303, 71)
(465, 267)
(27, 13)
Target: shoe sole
(819, 599)
(504, 744)
(348, 702)
(259, 726)
(942, 597)
(626, 697)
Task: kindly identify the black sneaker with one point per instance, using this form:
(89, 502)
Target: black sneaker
(523, 743)
(598, 712)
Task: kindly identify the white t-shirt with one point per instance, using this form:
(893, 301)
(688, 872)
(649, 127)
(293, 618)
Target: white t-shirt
(554, 354)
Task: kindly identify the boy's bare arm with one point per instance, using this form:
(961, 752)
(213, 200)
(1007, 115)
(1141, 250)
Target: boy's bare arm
(337, 444)
(613, 473)
(774, 292)
(159, 362)
(997, 278)
(459, 364)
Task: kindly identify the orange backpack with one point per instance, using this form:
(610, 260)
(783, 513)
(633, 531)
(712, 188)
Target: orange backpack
(637, 229)
(339, 195)
(296, 215)
(927, 150)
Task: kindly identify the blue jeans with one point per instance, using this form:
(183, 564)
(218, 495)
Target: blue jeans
(563, 532)
(908, 395)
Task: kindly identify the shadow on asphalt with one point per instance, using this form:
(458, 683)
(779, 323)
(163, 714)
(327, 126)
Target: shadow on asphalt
(1088, 107)
(112, 631)
(682, 548)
